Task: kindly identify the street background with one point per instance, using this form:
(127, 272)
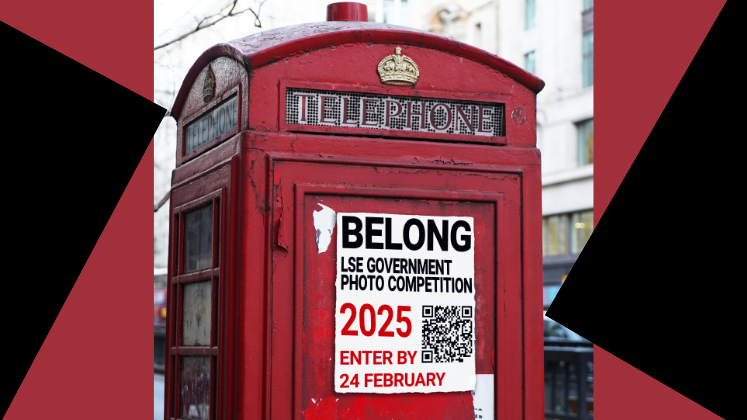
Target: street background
(550, 38)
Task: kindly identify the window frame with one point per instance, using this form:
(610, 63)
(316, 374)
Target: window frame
(587, 61)
(530, 57)
(397, 16)
(587, 34)
(580, 127)
(216, 275)
(530, 19)
(568, 234)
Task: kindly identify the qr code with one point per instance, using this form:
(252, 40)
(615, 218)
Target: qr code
(447, 333)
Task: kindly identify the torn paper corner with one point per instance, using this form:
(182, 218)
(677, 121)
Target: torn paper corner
(324, 224)
(483, 395)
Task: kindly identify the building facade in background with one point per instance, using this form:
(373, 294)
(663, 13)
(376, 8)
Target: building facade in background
(553, 39)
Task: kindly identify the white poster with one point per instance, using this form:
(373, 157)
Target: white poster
(405, 306)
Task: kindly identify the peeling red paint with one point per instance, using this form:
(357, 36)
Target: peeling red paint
(282, 242)
(324, 409)
(280, 209)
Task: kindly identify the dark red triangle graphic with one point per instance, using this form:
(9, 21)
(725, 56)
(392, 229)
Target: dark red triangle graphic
(623, 392)
(95, 362)
(79, 138)
(642, 49)
(647, 275)
(115, 40)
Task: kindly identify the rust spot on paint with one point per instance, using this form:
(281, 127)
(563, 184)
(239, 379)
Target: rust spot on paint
(519, 116)
(451, 161)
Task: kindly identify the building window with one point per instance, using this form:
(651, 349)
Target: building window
(588, 70)
(529, 14)
(588, 43)
(478, 35)
(555, 235)
(585, 131)
(396, 12)
(529, 64)
(581, 227)
(566, 234)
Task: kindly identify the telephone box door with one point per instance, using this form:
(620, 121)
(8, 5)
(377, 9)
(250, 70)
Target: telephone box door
(309, 309)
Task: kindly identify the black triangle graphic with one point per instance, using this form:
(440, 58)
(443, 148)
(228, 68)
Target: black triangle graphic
(649, 286)
(72, 140)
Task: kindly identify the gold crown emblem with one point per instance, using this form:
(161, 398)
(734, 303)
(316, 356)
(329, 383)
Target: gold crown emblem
(208, 89)
(398, 69)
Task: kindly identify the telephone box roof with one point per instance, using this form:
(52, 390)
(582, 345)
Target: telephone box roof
(269, 46)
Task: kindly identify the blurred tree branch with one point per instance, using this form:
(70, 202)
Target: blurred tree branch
(211, 20)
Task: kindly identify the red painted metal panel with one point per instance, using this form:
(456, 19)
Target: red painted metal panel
(266, 302)
(313, 388)
(338, 179)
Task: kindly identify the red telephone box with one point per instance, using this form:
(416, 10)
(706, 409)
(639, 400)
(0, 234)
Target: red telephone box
(345, 190)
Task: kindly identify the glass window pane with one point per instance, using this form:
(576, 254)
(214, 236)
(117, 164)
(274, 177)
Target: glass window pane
(555, 232)
(404, 13)
(588, 4)
(198, 239)
(196, 313)
(585, 142)
(389, 11)
(217, 306)
(529, 14)
(529, 63)
(195, 388)
(588, 62)
(562, 234)
(582, 224)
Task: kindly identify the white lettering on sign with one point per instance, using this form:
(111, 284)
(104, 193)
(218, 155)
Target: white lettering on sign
(212, 125)
(385, 112)
(405, 304)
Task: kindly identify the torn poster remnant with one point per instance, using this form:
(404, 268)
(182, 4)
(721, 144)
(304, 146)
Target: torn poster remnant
(324, 223)
(482, 396)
